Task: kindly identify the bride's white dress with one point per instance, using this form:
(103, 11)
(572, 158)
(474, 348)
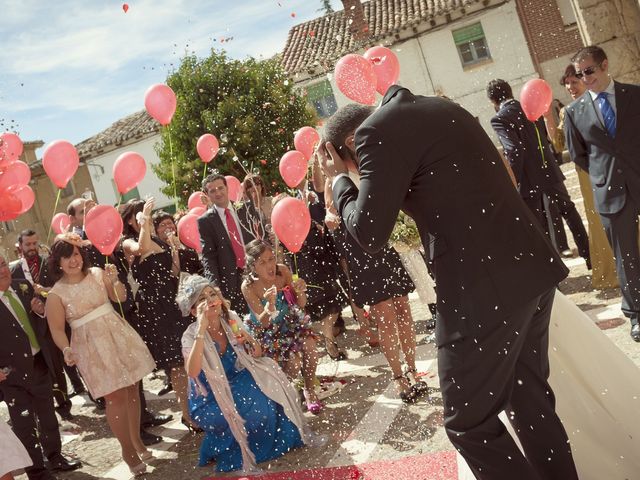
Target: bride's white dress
(597, 390)
(14, 456)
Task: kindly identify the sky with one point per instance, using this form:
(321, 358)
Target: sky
(69, 69)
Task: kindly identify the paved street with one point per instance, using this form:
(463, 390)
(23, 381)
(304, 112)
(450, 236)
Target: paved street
(365, 421)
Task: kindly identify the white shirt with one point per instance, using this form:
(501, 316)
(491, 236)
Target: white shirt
(611, 97)
(6, 303)
(223, 217)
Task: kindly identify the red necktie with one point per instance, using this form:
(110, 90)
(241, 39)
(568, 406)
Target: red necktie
(34, 269)
(234, 236)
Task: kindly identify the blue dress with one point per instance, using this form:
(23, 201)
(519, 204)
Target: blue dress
(270, 432)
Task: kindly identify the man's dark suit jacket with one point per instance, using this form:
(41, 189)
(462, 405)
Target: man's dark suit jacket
(17, 273)
(518, 137)
(15, 349)
(613, 163)
(489, 254)
(218, 258)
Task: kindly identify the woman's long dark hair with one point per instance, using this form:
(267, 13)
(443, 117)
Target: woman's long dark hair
(128, 211)
(59, 250)
(254, 249)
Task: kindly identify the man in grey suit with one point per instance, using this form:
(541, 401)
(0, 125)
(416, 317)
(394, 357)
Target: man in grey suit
(601, 129)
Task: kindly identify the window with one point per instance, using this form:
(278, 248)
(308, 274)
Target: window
(67, 191)
(9, 226)
(566, 12)
(132, 194)
(471, 44)
(320, 97)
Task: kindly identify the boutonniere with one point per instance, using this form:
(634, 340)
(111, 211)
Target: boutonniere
(24, 288)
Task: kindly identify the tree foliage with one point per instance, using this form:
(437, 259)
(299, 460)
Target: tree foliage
(326, 7)
(249, 105)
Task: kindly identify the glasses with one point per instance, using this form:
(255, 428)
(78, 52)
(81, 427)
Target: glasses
(587, 71)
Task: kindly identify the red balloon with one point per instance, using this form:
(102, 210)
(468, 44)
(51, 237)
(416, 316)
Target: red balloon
(356, 78)
(10, 147)
(189, 233)
(125, 7)
(305, 140)
(385, 65)
(234, 187)
(103, 226)
(293, 168)
(291, 222)
(197, 199)
(535, 98)
(16, 173)
(60, 161)
(160, 102)
(197, 211)
(25, 194)
(207, 147)
(10, 205)
(128, 171)
(60, 223)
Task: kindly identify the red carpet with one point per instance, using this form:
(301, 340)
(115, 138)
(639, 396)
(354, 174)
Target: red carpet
(433, 466)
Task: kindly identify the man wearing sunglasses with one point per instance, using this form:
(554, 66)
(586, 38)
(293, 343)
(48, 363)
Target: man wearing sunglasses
(601, 129)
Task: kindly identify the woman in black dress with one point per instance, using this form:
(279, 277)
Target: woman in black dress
(167, 231)
(381, 282)
(154, 265)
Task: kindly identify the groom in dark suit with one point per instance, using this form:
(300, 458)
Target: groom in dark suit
(223, 239)
(601, 129)
(27, 387)
(495, 270)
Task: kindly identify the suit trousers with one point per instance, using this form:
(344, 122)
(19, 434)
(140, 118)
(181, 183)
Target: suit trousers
(33, 418)
(501, 365)
(560, 202)
(622, 232)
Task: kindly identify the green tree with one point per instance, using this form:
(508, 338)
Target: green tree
(249, 105)
(326, 7)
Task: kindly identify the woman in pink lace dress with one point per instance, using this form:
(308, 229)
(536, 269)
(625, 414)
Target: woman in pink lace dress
(110, 355)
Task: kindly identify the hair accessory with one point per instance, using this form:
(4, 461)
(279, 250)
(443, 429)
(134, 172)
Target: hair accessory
(73, 239)
(189, 290)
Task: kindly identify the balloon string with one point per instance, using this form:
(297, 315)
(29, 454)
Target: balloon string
(115, 290)
(544, 160)
(204, 174)
(295, 263)
(173, 169)
(55, 207)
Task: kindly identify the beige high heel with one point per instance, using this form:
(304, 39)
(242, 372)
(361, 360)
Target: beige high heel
(146, 456)
(138, 470)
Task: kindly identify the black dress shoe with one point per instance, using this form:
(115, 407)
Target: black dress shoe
(57, 463)
(65, 411)
(166, 389)
(149, 438)
(154, 419)
(635, 332)
(77, 392)
(100, 404)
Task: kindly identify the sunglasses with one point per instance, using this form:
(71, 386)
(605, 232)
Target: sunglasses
(587, 71)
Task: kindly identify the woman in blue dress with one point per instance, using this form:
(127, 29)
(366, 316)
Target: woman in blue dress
(243, 401)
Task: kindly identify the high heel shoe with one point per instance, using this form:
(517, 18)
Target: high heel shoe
(313, 406)
(419, 386)
(138, 470)
(408, 395)
(146, 456)
(337, 353)
(193, 428)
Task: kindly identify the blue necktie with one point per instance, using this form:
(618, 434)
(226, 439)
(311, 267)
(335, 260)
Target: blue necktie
(608, 115)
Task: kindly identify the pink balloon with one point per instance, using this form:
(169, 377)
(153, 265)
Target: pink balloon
(535, 98)
(24, 194)
(385, 65)
(305, 140)
(293, 168)
(60, 223)
(197, 211)
(10, 205)
(189, 233)
(234, 187)
(60, 161)
(291, 222)
(160, 102)
(16, 173)
(207, 147)
(103, 226)
(356, 78)
(128, 171)
(196, 199)
(10, 147)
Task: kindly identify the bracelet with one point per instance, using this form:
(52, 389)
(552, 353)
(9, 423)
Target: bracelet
(64, 350)
(200, 336)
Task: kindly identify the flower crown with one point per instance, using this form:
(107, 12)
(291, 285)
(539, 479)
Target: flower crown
(73, 239)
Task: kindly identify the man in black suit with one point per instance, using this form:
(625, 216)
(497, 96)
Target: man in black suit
(495, 269)
(27, 389)
(223, 240)
(32, 268)
(601, 129)
(539, 179)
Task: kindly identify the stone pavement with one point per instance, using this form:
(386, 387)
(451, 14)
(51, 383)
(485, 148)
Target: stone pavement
(365, 421)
